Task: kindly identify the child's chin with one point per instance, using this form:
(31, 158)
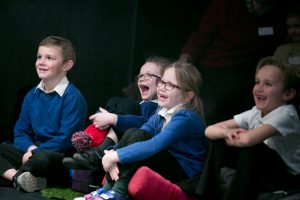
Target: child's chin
(161, 104)
(259, 107)
(145, 97)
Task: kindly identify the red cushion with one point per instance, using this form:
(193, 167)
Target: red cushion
(146, 184)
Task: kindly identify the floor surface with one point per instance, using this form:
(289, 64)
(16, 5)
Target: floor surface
(7, 193)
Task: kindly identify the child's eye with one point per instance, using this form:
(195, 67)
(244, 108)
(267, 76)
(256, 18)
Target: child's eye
(269, 84)
(50, 58)
(38, 57)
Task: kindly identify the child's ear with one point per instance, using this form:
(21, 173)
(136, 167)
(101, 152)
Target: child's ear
(289, 94)
(188, 96)
(68, 65)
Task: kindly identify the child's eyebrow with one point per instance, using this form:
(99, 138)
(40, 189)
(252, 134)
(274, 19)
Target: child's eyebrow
(266, 80)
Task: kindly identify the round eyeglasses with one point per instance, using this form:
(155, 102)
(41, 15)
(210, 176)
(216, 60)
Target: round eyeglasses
(167, 85)
(146, 76)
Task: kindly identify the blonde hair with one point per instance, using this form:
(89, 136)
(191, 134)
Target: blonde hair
(189, 80)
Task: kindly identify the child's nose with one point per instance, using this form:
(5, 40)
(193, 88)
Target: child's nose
(260, 87)
(41, 61)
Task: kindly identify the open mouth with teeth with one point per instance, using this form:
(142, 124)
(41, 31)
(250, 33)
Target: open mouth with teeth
(260, 97)
(42, 69)
(143, 88)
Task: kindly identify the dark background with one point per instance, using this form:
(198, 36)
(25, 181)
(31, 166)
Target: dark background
(112, 40)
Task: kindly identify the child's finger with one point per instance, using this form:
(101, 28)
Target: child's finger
(92, 117)
(105, 151)
(103, 110)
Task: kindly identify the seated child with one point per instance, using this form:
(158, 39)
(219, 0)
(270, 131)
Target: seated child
(171, 142)
(117, 124)
(261, 144)
(51, 112)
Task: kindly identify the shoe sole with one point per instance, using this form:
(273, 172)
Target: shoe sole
(30, 183)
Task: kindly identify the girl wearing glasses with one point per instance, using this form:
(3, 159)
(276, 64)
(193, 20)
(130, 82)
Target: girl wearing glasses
(173, 136)
(90, 158)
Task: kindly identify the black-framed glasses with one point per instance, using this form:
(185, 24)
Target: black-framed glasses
(167, 85)
(146, 76)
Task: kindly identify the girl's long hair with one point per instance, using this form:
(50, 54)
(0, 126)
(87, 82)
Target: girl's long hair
(189, 80)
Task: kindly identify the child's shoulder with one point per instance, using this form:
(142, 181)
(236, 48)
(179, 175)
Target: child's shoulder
(71, 88)
(31, 91)
(189, 114)
(284, 110)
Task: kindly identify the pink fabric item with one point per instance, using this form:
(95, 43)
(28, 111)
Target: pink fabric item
(81, 141)
(146, 184)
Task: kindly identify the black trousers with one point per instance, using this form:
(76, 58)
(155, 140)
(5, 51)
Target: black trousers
(163, 162)
(258, 169)
(42, 164)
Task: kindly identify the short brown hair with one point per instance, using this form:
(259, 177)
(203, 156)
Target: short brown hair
(67, 48)
(159, 61)
(291, 74)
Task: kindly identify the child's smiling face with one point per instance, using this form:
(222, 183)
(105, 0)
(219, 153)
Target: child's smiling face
(147, 88)
(268, 90)
(49, 63)
(169, 98)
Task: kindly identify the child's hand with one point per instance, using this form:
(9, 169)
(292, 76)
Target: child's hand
(114, 172)
(233, 135)
(103, 110)
(109, 159)
(103, 119)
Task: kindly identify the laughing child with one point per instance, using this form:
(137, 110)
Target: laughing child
(261, 144)
(117, 124)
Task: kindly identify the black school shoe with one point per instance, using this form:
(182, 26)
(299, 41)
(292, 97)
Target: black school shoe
(90, 160)
(71, 163)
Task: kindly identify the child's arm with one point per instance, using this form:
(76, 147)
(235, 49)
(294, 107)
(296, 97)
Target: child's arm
(103, 119)
(253, 137)
(223, 130)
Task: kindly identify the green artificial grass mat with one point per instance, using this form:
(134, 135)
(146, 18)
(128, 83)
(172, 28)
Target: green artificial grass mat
(61, 193)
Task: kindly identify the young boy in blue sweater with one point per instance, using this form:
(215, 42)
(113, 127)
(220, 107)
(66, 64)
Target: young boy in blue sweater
(51, 113)
(117, 124)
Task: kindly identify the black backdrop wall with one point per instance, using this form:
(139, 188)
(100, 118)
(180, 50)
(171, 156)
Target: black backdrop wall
(112, 39)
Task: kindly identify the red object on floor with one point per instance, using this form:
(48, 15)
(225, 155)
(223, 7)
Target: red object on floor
(147, 184)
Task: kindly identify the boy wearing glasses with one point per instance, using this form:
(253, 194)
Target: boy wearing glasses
(117, 124)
